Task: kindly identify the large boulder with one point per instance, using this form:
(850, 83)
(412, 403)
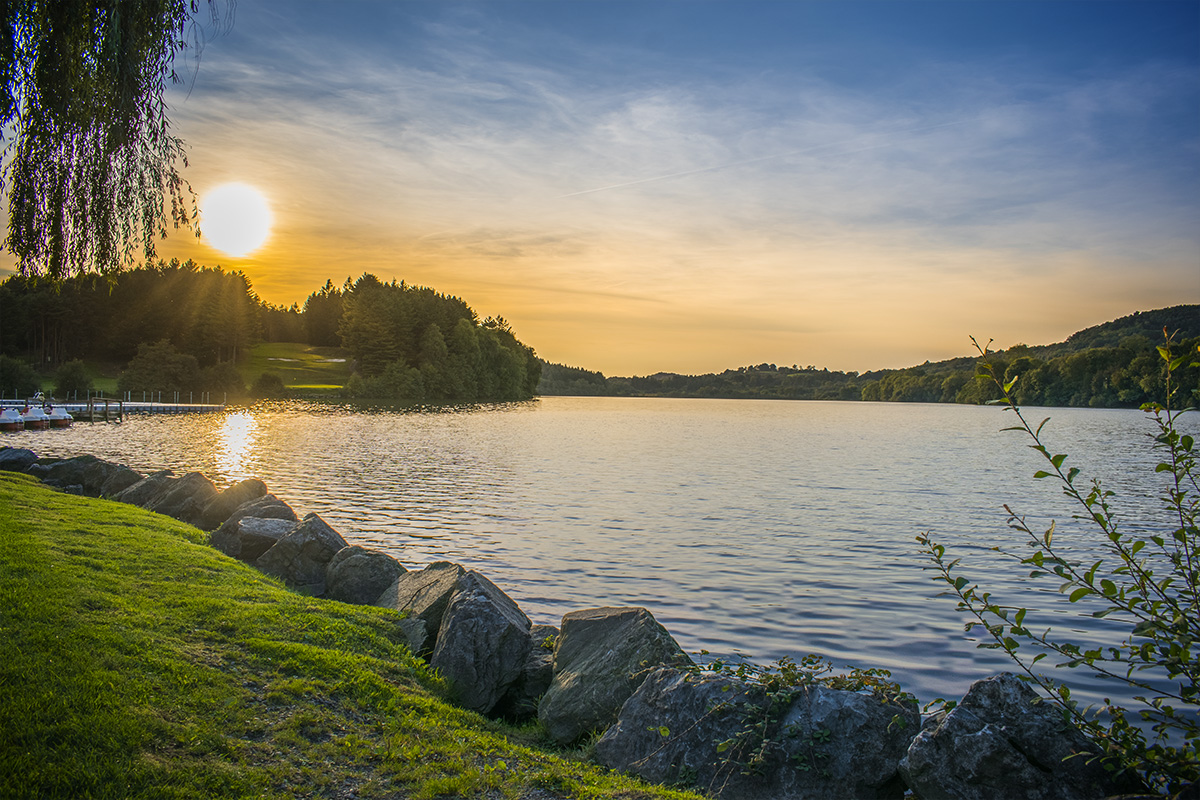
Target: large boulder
(16, 459)
(602, 656)
(118, 480)
(40, 469)
(148, 488)
(520, 702)
(186, 498)
(301, 557)
(482, 643)
(358, 575)
(250, 537)
(221, 507)
(424, 595)
(70, 472)
(266, 507)
(733, 741)
(1003, 741)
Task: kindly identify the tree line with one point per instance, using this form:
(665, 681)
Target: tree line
(180, 326)
(1114, 365)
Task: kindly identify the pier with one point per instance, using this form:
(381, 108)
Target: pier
(109, 409)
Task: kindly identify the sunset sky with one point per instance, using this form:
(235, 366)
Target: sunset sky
(693, 186)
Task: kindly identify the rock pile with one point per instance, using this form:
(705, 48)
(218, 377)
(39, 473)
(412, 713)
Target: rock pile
(618, 674)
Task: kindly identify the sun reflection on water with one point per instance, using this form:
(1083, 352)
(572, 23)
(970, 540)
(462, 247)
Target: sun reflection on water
(235, 445)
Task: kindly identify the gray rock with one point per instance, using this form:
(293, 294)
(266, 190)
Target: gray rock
(118, 480)
(250, 537)
(521, 700)
(266, 507)
(358, 575)
(424, 594)
(415, 632)
(69, 472)
(40, 469)
(301, 557)
(16, 459)
(825, 743)
(147, 489)
(186, 498)
(602, 656)
(221, 507)
(1003, 741)
(482, 643)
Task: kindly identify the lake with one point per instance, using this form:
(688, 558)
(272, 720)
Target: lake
(770, 528)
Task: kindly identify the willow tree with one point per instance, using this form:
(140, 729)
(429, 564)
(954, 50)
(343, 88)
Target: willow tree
(90, 165)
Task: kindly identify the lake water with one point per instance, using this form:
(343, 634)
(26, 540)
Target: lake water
(770, 528)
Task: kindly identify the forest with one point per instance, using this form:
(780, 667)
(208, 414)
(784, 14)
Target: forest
(184, 327)
(1113, 365)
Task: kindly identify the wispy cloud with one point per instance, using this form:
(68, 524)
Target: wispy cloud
(562, 166)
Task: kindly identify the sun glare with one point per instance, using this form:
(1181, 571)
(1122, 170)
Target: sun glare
(235, 219)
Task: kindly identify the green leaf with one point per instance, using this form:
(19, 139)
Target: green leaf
(1079, 594)
(1041, 473)
(1108, 587)
(1057, 460)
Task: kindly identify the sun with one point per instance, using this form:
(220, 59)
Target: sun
(235, 219)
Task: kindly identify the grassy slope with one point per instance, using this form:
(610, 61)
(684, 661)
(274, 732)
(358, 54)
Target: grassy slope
(137, 662)
(299, 365)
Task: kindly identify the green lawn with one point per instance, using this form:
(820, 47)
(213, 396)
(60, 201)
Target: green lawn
(137, 662)
(301, 366)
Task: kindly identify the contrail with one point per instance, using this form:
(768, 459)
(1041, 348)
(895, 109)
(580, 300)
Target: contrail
(773, 156)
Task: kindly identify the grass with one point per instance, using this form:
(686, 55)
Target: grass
(301, 366)
(136, 662)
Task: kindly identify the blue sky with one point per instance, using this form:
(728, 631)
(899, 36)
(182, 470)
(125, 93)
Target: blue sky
(691, 186)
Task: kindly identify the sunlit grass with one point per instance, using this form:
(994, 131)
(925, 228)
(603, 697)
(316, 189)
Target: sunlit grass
(300, 366)
(137, 662)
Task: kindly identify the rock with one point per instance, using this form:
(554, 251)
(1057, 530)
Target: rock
(1003, 741)
(824, 742)
(250, 537)
(118, 480)
(482, 643)
(221, 507)
(186, 498)
(40, 469)
(521, 700)
(602, 656)
(424, 594)
(416, 633)
(16, 459)
(358, 575)
(69, 472)
(301, 557)
(266, 507)
(147, 489)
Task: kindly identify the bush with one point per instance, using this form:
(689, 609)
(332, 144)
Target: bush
(17, 379)
(1148, 581)
(269, 384)
(72, 376)
(159, 367)
(222, 378)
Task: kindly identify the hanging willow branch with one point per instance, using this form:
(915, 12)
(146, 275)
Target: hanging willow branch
(90, 166)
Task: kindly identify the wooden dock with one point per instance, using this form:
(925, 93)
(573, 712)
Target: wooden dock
(109, 409)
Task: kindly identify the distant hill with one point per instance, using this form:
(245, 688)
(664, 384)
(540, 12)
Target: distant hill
(1113, 364)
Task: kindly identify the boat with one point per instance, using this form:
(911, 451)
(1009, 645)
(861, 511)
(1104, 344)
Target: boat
(59, 417)
(10, 420)
(35, 418)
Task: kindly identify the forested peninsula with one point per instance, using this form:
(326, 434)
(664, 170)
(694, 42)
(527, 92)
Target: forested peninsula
(182, 327)
(1113, 365)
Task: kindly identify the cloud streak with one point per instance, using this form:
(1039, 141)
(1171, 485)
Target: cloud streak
(456, 158)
